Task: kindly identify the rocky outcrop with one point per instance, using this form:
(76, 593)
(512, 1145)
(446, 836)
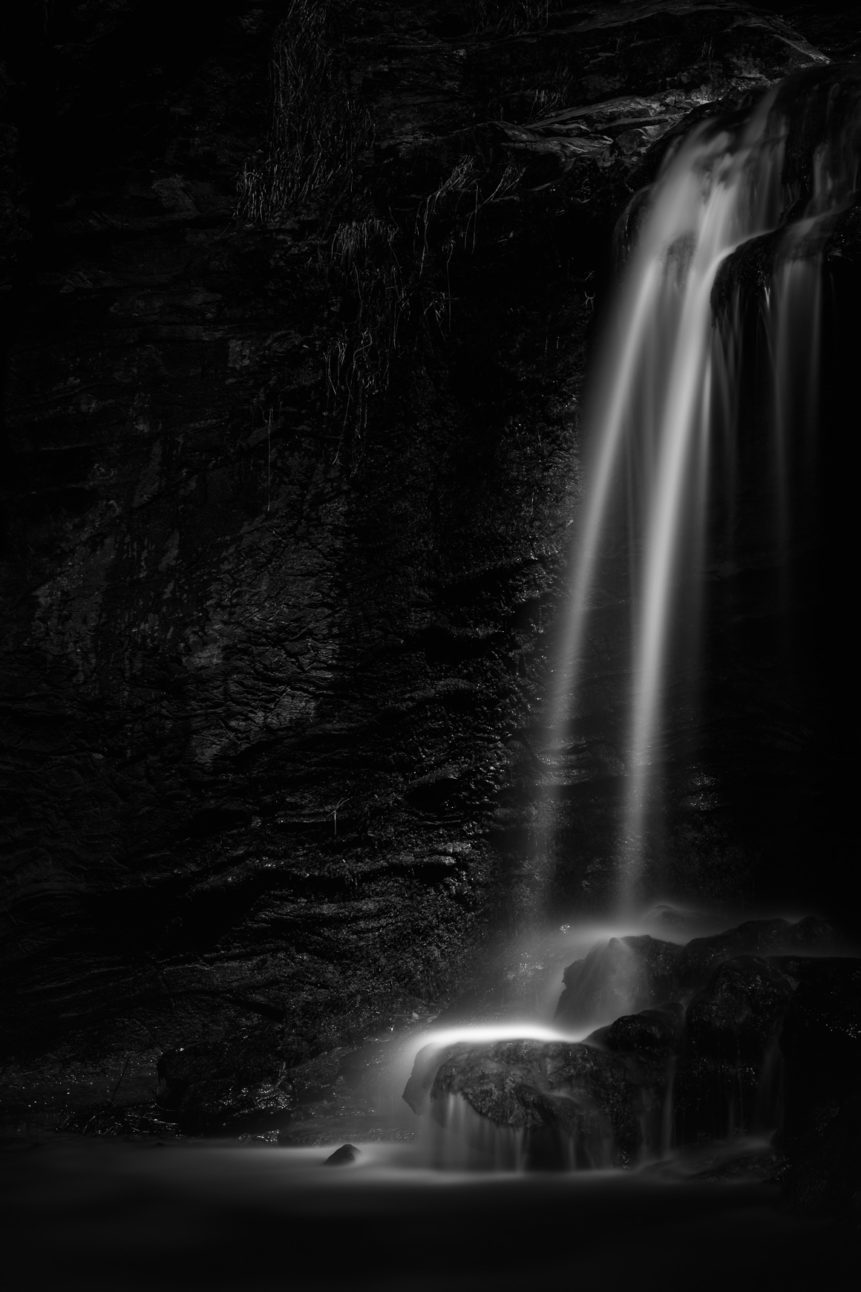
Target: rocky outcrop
(728, 1077)
(653, 1032)
(767, 1045)
(637, 972)
(821, 1049)
(623, 976)
(291, 412)
(575, 1105)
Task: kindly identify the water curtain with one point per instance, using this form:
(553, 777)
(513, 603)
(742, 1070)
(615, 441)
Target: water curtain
(666, 392)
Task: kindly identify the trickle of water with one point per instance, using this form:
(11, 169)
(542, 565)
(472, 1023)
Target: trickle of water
(458, 1139)
(769, 1095)
(667, 1118)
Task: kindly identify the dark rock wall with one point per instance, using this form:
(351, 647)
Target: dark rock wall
(295, 309)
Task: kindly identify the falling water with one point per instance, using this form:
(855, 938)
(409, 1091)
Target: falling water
(710, 371)
(664, 395)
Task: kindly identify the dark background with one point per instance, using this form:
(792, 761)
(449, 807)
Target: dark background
(297, 300)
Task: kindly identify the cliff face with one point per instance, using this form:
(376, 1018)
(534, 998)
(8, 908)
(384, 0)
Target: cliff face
(296, 308)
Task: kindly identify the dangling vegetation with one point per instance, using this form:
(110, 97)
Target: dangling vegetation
(317, 129)
(509, 17)
(359, 357)
(390, 278)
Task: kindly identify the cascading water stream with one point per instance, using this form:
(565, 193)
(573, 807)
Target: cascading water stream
(665, 391)
(670, 423)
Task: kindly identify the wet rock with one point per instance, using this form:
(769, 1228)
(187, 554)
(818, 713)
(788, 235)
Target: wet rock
(623, 976)
(268, 1140)
(728, 1073)
(810, 935)
(569, 1100)
(741, 1008)
(744, 1160)
(421, 1078)
(343, 1156)
(225, 1087)
(766, 1041)
(821, 1041)
(823, 1172)
(821, 1049)
(107, 1120)
(654, 1033)
(649, 1043)
(630, 974)
(728, 1076)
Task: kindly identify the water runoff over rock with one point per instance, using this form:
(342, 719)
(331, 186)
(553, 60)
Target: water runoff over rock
(669, 1026)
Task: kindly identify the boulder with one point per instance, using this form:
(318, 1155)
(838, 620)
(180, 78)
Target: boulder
(572, 1102)
(821, 1046)
(765, 1041)
(728, 1077)
(343, 1156)
(630, 974)
(753, 938)
(653, 1033)
(821, 1051)
(421, 1079)
(823, 1172)
(739, 1012)
(621, 976)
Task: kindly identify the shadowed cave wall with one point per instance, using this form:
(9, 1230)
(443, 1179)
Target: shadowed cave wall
(296, 310)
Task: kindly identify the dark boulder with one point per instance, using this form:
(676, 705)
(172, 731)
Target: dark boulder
(823, 1172)
(653, 1033)
(728, 1076)
(421, 1079)
(821, 1039)
(740, 1010)
(571, 1102)
(821, 1049)
(342, 1156)
(753, 938)
(621, 976)
(649, 1043)
(766, 1041)
(631, 974)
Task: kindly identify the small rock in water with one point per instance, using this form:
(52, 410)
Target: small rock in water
(346, 1153)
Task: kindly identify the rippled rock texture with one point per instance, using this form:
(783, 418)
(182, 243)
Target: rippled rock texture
(295, 309)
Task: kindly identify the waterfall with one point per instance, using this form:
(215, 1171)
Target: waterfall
(701, 461)
(663, 410)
